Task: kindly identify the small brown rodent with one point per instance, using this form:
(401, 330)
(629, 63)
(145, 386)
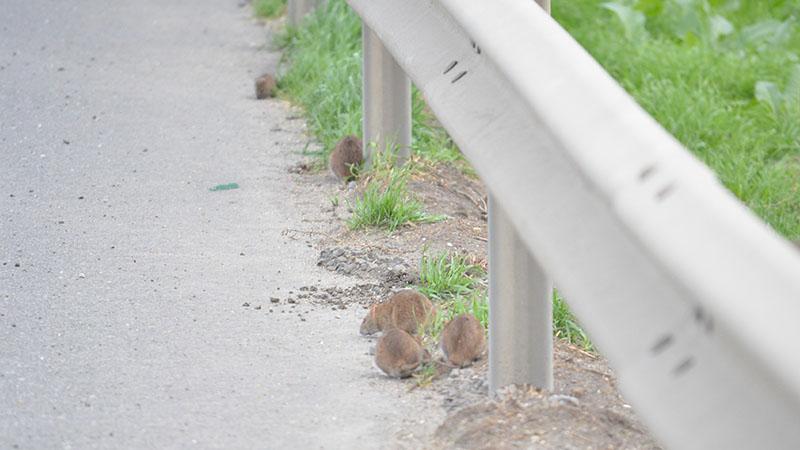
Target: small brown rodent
(407, 310)
(265, 86)
(347, 154)
(463, 340)
(398, 354)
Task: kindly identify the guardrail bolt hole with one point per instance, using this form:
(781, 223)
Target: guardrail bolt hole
(665, 192)
(646, 172)
(683, 367)
(661, 344)
(475, 47)
(459, 76)
(703, 319)
(450, 67)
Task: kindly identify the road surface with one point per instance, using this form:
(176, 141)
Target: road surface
(122, 275)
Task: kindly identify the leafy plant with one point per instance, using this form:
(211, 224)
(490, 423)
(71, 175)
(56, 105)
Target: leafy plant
(781, 102)
(632, 20)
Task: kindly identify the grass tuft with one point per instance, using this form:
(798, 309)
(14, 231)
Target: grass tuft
(387, 203)
(566, 327)
(446, 275)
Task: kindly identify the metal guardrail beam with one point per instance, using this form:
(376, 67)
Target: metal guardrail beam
(690, 296)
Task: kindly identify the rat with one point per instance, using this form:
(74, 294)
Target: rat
(398, 353)
(407, 309)
(347, 154)
(265, 86)
(463, 340)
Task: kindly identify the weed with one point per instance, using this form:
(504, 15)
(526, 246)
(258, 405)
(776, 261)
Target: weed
(565, 326)
(447, 275)
(269, 8)
(426, 374)
(475, 303)
(387, 203)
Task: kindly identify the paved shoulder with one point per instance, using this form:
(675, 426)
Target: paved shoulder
(123, 272)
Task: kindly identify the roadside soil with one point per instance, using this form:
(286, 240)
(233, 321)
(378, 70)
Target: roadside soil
(585, 410)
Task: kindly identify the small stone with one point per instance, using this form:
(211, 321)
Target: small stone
(246, 305)
(274, 299)
(81, 275)
(561, 399)
(258, 307)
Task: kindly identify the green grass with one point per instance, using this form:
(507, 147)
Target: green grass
(455, 285)
(565, 326)
(694, 66)
(322, 58)
(445, 275)
(475, 303)
(269, 8)
(386, 203)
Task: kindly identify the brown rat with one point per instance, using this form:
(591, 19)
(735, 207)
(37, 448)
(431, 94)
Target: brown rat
(407, 309)
(463, 340)
(265, 86)
(347, 154)
(398, 354)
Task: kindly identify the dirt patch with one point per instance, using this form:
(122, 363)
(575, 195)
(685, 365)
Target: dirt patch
(584, 410)
(368, 263)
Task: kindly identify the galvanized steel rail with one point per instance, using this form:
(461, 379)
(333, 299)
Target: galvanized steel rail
(692, 298)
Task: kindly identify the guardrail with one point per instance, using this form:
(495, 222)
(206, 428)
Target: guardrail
(689, 295)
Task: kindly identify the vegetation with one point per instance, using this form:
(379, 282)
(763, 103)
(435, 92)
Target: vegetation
(386, 202)
(322, 59)
(566, 327)
(446, 275)
(721, 75)
(269, 8)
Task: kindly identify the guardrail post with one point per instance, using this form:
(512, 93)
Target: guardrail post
(297, 9)
(520, 309)
(386, 101)
(520, 306)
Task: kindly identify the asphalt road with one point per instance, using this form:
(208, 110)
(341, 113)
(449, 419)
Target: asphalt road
(122, 276)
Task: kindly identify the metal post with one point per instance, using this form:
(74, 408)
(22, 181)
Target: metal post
(520, 306)
(297, 10)
(386, 101)
(520, 309)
